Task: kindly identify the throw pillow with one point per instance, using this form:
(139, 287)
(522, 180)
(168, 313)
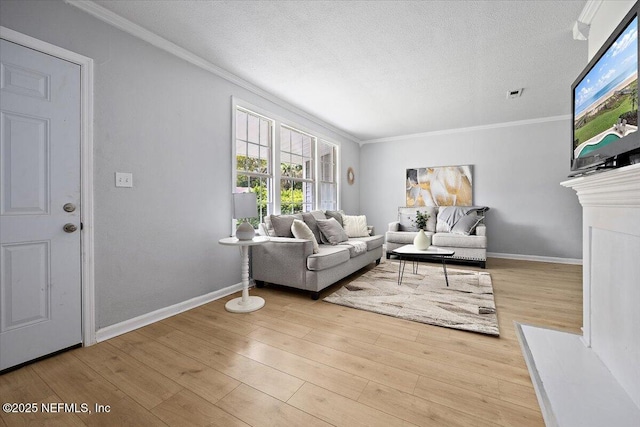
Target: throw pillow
(467, 224)
(407, 218)
(301, 230)
(335, 214)
(310, 219)
(282, 224)
(331, 231)
(355, 225)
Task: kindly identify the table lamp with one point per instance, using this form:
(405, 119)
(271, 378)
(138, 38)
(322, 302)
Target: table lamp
(245, 205)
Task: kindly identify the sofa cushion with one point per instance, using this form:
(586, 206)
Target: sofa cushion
(331, 231)
(310, 219)
(328, 256)
(451, 240)
(467, 224)
(371, 241)
(301, 230)
(355, 247)
(407, 217)
(335, 214)
(404, 237)
(355, 225)
(282, 224)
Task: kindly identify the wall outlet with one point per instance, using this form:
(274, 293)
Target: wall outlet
(124, 179)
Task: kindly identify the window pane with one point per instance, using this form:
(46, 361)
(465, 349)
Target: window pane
(296, 142)
(265, 156)
(291, 196)
(241, 148)
(253, 156)
(241, 125)
(285, 140)
(306, 146)
(253, 129)
(265, 132)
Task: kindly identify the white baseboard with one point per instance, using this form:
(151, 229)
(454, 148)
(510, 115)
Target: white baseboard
(155, 316)
(535, 258)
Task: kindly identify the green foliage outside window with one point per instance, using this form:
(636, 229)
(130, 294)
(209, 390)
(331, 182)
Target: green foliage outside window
(291, 192)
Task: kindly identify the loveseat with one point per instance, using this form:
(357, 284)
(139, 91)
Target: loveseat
(318, 260)
(457, 228)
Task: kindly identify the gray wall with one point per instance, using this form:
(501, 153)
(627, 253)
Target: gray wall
(517, 172)
(606, 20)
(169, 123)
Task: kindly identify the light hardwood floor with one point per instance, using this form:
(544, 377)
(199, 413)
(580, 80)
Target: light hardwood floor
(300, 362)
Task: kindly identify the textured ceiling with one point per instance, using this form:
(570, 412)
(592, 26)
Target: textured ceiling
(377, 69)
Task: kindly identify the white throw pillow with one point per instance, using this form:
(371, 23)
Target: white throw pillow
(355, 225)
(301, 230)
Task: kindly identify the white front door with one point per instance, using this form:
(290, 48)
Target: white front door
(40, 287)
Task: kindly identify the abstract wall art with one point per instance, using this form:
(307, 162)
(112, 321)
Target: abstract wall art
(440, 186)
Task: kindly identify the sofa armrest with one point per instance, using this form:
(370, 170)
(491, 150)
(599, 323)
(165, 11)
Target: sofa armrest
(394, 226)
(481, 230)
(281, 260)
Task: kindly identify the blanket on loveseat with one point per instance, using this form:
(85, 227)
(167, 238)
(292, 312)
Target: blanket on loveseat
(448, 216)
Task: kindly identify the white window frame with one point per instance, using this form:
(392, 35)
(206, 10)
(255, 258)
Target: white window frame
(279, 122)
(314, 159)
(336, 175)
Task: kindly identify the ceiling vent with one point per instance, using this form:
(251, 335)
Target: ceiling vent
(516, 93)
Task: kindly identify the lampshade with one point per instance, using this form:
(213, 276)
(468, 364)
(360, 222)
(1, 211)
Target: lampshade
(245, 205)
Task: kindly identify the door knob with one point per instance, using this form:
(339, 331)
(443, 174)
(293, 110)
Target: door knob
(69, 228)
(69, 207)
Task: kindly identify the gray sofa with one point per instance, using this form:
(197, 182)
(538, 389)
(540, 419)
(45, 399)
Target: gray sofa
(468, 247)
(292, 262)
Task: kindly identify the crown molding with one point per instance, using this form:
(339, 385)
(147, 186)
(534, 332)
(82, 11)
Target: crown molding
(589, 11)
(136, 30)
(468, 129)
(582, 26)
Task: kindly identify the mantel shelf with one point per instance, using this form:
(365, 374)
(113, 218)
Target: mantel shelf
(616, 187)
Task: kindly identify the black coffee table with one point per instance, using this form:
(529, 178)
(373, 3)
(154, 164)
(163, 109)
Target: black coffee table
(411, 253)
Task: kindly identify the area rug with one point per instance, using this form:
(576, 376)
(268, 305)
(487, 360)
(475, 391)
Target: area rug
(466, 304)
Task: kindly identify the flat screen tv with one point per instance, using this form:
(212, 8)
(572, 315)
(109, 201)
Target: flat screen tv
(605, 102)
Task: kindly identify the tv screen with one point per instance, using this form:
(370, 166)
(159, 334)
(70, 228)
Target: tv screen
(605, 100)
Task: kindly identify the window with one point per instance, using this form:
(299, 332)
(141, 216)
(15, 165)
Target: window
(296, 171)
(327, 181)
(254, 135)
(306, 178)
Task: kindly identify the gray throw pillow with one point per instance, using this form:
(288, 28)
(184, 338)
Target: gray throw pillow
(331, 231)
(282, 224)
(337, 215)
(310, 219)
(467, 224)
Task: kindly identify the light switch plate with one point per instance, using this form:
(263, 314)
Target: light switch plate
(124, 179)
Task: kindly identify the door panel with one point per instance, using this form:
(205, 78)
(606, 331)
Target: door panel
(40, 288)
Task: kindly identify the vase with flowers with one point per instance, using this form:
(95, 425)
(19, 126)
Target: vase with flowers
(421, 241)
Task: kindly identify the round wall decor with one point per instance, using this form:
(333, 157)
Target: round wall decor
(351, 176)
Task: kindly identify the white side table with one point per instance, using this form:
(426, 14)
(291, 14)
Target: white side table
(245, 303)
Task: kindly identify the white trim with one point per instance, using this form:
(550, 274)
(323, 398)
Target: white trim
(536, 258)
(278, 123)
(612, 188)
(135, 30)
(468, 129)
(155, 316)
(543, 399)
(589, 11)
(86, 170)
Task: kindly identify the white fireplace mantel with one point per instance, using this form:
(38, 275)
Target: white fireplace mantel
(617, 187)
(594, 379)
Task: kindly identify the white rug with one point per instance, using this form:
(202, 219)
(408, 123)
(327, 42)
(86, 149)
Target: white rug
(466, 304)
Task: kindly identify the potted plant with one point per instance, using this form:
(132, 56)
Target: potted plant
(421, 220)
(421, 241)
